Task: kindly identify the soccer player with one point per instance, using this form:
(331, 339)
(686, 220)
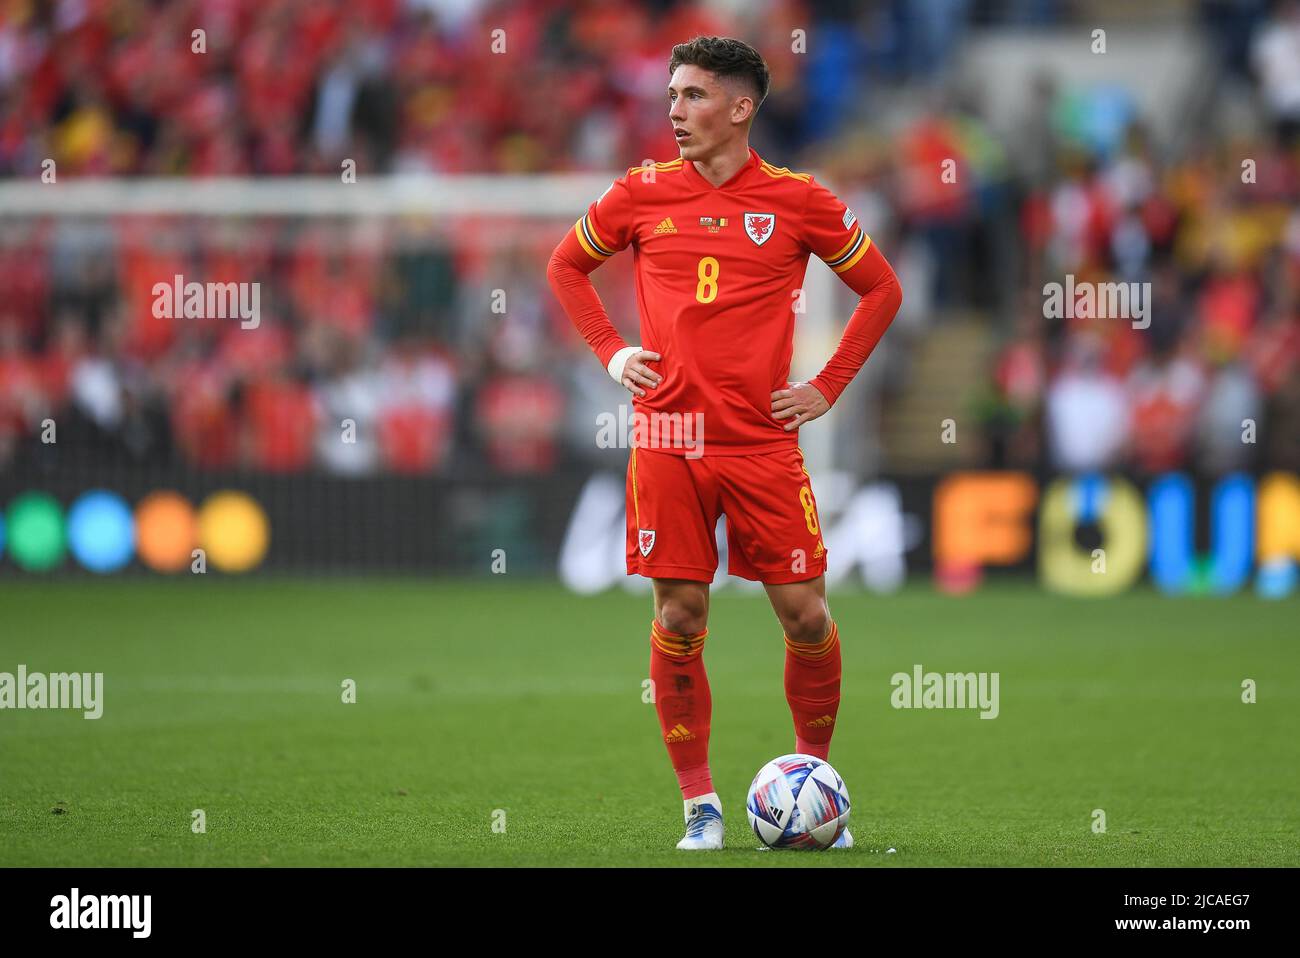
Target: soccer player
(720, 241)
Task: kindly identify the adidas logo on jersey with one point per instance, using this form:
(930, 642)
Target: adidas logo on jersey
(679, 733)
(824, 722)
(666, 226)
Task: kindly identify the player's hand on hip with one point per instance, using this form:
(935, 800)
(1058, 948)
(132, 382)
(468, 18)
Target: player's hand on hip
(628, 367)
(801, 403)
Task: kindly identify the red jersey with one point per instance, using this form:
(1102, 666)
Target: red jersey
(719, 273)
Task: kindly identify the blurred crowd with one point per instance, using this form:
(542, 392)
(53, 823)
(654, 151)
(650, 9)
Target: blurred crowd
(381, 345)
(245, 87)
(1208, 378)
(1205, 375)
(376, 348)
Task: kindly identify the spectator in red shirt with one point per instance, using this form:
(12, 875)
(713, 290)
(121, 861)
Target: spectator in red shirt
(279, 417)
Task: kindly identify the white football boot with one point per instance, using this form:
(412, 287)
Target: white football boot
(703, 823)
(844, 841)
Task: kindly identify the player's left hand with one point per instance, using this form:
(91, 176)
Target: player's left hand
(803, 401)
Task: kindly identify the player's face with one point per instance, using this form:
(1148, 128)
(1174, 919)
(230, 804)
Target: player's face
(703, 110)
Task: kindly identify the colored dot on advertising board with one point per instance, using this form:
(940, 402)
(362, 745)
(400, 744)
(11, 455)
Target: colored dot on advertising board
(166, 531)
(101, 531)
(35, 531)
(233, 531)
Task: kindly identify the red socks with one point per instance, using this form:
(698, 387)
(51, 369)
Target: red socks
(812, 687)
(685, 707)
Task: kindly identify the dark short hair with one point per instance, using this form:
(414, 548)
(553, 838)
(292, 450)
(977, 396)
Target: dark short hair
(726, 57)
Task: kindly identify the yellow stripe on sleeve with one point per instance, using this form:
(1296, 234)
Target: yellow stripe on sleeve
(582, 239)
(849, 264)
(853, 238)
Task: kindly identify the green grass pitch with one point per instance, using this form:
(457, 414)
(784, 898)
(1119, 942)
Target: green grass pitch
(225, 696)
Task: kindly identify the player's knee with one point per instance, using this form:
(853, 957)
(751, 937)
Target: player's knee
(682, 618)
(807, 625)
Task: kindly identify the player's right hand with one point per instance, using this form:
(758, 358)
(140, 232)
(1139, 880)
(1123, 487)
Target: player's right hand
(635, 373)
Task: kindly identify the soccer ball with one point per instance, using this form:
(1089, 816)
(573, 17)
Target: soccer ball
(797, 801)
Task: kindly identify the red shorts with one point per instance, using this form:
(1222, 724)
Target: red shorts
(673, 504)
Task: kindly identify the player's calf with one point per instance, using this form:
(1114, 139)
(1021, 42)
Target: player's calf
(812, 689)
